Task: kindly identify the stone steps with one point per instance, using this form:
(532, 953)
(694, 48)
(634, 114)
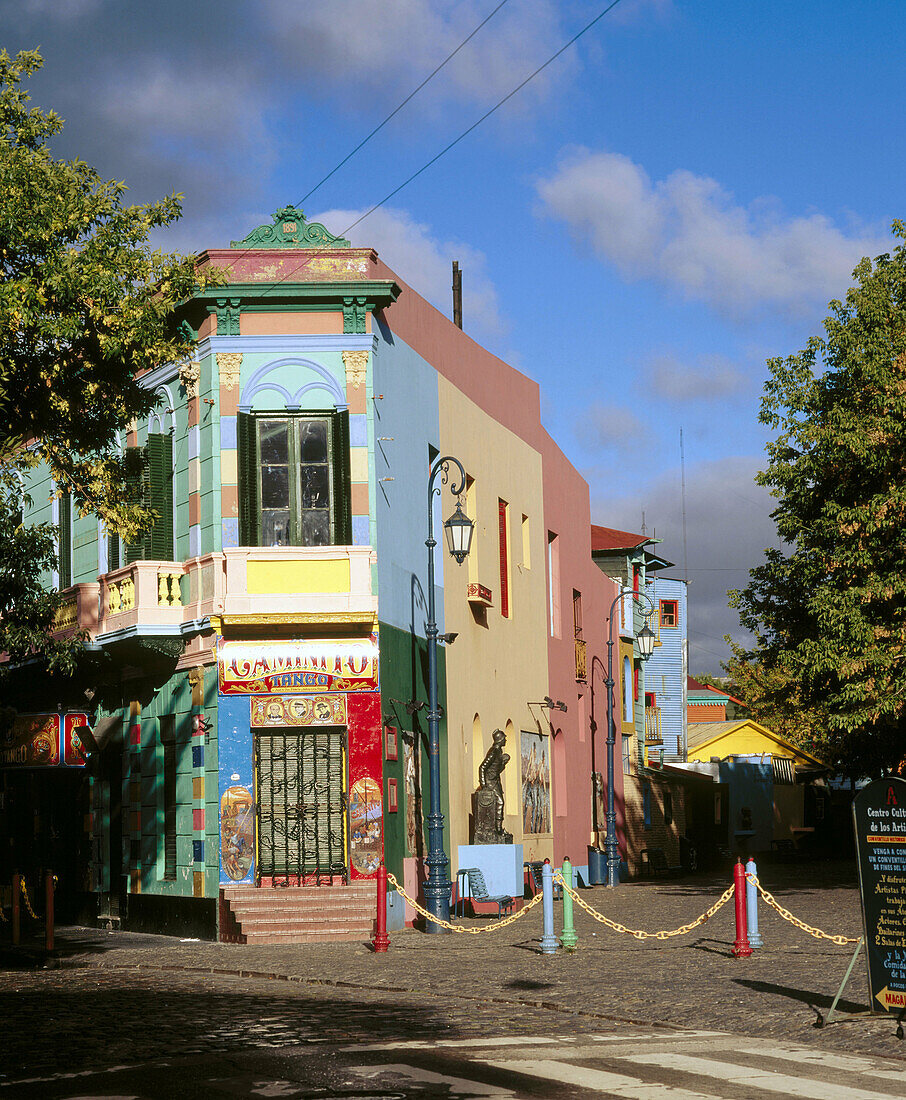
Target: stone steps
(306, 914)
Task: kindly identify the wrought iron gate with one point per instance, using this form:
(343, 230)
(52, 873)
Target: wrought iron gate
(301, 803)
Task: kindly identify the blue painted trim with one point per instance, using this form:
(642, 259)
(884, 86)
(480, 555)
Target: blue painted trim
(358, 430)
(361, 531)
(229, 534)
(195, 541)
(194, 626)
(228, 433)
(194, 442)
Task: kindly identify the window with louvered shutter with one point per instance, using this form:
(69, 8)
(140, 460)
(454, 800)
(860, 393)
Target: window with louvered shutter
(168, 743)
(150, 483)
(65, 541)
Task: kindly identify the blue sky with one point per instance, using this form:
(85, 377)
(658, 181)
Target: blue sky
(671, 202)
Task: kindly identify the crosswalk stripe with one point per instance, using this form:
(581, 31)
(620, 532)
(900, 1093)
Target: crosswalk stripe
(757, 1078)
(614, 1084)
(829, 1061)
(465, 1090)
(432, 1044)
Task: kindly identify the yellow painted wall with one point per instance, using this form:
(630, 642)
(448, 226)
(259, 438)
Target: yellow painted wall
(293, 577)
(497, 665)
(745, 740)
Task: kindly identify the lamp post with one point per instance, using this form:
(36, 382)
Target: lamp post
(645, 639)
(458, 530)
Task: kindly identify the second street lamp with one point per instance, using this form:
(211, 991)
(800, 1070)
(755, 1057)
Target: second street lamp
(458, 530)
(645, 640)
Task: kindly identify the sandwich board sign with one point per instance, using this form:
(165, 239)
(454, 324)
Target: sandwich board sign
(879, 813)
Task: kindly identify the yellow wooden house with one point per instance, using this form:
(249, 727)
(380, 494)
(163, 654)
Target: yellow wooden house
(790, 780)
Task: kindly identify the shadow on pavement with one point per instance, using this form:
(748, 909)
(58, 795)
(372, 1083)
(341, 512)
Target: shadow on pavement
(815, 1001)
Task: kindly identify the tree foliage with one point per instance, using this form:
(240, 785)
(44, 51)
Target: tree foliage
(86, 305)
(829, 611)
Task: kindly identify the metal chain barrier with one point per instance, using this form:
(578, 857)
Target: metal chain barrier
(457, 928)
(31, 911)
(639, 933)
(801, 925)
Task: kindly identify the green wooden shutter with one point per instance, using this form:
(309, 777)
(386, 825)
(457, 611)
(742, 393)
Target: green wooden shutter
(342, 480)
(248, 479)
(65, 541)
(113, 552)
(160, 479)
(137, 493)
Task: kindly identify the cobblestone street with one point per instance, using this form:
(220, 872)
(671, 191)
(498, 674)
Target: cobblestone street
(124, 997)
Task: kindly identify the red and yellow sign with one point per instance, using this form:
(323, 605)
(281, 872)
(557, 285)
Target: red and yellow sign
(295, 667)
(309, 710)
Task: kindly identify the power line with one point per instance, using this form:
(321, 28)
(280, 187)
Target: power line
(397, 110)
(446, 149)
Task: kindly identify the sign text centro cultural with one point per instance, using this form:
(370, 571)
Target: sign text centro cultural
(295, 666)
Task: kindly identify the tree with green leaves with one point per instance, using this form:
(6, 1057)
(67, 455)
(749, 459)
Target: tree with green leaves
(828, 611)
(86, 306)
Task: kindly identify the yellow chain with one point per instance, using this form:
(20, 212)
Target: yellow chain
(638, 933)
(495, 927)
(31, 911)
(787, 915)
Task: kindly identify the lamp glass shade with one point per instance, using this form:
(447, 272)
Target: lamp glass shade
(646, 639)
(458, 529)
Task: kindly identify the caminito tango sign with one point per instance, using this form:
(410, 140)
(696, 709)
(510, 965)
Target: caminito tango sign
(879, 811)
(43, 740)
(294, 666)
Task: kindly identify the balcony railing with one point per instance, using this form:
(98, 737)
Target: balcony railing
(581, 660)
(653, 726)
(253, 585)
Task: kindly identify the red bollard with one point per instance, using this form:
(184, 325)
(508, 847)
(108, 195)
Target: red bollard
(381, 940)
(741, 949)
(48, 910)
(17, 912)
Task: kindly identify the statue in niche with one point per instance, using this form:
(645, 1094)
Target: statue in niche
(488, 799)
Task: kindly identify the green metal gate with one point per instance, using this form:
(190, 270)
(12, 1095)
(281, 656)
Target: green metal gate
(301, 804)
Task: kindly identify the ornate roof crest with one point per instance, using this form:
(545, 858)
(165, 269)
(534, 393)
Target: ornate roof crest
(290, 230)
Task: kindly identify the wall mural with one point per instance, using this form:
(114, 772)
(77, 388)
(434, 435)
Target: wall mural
(299, 710)
(237, 831)
(414, 824)
(536, 783)
(365, 825)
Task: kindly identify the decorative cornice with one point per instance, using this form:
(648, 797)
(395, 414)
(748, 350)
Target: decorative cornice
(288, 344)
(376, 293)
(290, 230)
(229, 364)
(356, 364)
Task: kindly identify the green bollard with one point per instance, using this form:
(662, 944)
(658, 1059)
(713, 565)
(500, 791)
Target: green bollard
(568, 937)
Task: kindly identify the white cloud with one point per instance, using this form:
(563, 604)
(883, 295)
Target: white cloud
(728, 526)
(390, 48)
(706, 378)
(690, 234)
(425, 263)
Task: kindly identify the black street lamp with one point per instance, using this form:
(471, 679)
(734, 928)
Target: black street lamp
(645, 640)
(458, 529)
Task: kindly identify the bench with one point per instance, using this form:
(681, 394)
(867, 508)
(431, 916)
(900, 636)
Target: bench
(534, 870)
(478, 893)
(653, 864)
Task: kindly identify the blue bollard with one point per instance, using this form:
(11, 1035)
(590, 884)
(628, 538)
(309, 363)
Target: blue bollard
(549, 941)
(755, 939)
